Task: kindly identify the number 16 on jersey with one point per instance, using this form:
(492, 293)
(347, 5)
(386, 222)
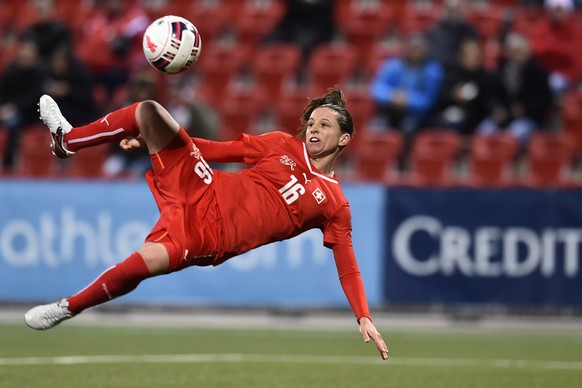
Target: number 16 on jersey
(292, 190)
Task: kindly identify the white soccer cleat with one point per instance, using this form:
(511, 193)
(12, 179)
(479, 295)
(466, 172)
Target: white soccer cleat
(51, 116)
(48, 315)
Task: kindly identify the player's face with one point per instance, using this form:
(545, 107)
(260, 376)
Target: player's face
(323, 135)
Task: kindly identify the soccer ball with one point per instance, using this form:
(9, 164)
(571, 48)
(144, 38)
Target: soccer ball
(171, 44)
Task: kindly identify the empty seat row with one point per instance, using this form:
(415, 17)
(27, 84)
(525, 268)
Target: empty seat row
(34, 159)
(493, 161)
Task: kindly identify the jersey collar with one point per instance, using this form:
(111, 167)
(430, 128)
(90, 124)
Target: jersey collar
(312, 169)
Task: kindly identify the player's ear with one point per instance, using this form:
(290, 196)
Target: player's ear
(344, 139)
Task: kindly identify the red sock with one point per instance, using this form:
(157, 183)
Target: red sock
(113, 127)
(114, 282)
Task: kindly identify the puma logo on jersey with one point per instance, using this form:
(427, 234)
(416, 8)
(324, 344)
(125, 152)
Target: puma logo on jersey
(288, 162)
(318, 195)
(104, 120)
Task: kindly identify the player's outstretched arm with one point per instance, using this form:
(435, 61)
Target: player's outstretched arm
(220, 151)
(368, 331)
(353, 287)
(213, 151)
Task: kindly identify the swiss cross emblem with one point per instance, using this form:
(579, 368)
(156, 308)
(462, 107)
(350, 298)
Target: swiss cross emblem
(318, 195)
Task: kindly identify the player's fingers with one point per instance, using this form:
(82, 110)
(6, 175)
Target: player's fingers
(383, 349)
(365, 335)
(381, 345)
(129, 144)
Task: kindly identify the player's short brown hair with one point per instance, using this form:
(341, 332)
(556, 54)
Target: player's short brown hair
(334, 99)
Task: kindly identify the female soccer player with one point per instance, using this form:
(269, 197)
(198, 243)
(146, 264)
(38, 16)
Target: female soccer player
(208, 216)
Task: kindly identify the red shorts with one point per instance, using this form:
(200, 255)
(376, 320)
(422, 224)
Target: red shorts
(189, 224)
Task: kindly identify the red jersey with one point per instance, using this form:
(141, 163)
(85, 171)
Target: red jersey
(207, 216)
(281, 196)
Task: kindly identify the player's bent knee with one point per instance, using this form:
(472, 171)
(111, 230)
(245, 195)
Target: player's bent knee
(156, 125)
(156, 257)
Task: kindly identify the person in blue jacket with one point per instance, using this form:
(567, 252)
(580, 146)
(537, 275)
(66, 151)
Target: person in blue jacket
(406, 88)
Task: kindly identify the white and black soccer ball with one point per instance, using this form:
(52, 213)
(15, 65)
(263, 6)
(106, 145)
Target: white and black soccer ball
(171, 44)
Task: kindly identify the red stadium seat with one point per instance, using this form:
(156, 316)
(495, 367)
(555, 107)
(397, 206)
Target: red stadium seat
(158, 8)
(255, 19)
(525, 17)
(361, 106)
(88, 162)
(240, 109)
(549, 157)
(364, 24)
(274, 65)
(376, 156)
(491, 159)
(433, 157)
(488, 21)
(377, 55)
(3, 145)
(289, 107)
(35, 159)
(211, 18)
(217, 67)
(332, 64)
(8, 12)
(419, 17)
(572, 119)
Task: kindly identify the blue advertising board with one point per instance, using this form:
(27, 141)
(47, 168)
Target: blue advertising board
(57, 236)
(515, 247)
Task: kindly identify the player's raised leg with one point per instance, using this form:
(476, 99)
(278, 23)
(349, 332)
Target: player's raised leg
(150, 260)
(148, 119)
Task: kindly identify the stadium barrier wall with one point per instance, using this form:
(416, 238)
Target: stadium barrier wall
(414, 246)
(57, 236)
(515, 247)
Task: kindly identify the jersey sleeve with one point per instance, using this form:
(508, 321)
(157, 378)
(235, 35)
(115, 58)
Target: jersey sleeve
(255, 147)
(351, 280)
(338, 229)
(220, 151)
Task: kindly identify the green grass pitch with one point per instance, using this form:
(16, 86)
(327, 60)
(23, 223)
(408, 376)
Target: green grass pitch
(103, 356)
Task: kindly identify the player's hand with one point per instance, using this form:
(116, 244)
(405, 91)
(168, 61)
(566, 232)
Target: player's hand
(368, 330)
(131, 143)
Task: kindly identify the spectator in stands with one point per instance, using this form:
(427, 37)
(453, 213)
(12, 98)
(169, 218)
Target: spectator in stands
(307, 23)
(70, 84)
(522, 99)
(110, 40)
(466, 93)
(405, 88)
(38, 20)
(446, 36)
(20, 87)
(198, 118)
(555, 41)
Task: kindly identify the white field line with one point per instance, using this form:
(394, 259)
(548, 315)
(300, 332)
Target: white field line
(291, 359)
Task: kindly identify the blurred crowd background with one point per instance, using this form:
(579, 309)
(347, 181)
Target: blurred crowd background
(482, 93)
